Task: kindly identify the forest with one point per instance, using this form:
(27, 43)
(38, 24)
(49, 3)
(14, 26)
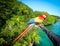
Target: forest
(14, 16)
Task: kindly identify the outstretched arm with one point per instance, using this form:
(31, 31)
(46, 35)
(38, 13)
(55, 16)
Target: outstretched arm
(53, 37)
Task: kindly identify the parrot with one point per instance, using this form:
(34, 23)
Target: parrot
(38, 19)
(31, 23)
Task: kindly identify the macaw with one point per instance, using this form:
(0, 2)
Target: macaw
(32, 22)
(38, 19)
(54, 38)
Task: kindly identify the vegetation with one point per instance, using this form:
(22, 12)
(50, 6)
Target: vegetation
(14, 16)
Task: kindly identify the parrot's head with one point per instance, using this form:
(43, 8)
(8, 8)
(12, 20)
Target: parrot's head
(44, 15)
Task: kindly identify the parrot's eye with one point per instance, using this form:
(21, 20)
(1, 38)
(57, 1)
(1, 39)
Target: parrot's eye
(44, 16)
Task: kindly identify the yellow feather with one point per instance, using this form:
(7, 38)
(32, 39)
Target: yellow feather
(38, 20)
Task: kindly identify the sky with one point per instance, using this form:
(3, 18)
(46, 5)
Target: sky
(50, 6)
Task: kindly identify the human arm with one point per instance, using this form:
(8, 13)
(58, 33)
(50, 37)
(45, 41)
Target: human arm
(53, 37)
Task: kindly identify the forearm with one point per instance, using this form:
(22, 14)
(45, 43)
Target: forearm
(49, 33)
(54, 38)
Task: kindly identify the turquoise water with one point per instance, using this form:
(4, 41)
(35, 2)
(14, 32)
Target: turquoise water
(45, 41)
(55, 28)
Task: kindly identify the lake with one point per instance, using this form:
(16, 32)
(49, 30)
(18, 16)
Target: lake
(45, 41)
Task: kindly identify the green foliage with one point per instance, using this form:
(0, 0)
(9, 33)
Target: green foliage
(17, 44)
(7, 8)
(15, 26)
(50, 20)
(37, 13)
(2, 40)
(35, 37)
